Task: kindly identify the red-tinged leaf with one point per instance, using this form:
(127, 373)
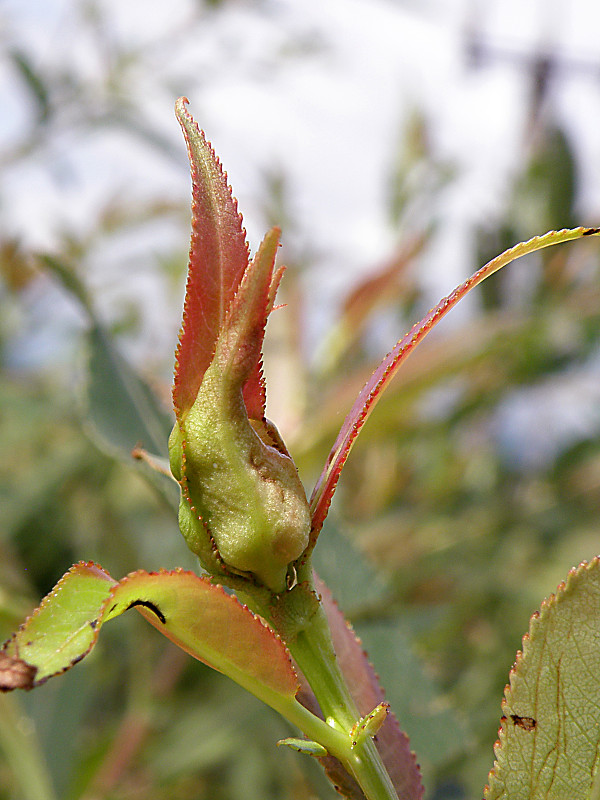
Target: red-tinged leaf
(381, 288)
(238, 348)
(195, 614)
(255, 395)
(371, 391)
(393, 745)
(378, 289)
(218, 258)
(210, 625)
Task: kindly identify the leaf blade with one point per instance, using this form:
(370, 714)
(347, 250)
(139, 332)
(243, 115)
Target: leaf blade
(196, 615)
(550, 732)
(63, 629)
(368, 396)
(210, 625)
(217, 260)
(122, 409)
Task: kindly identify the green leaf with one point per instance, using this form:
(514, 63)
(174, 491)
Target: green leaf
(210, 625)
(123, 413)
(64, 628)
(198, 616)
(304, 746)
(550, 732)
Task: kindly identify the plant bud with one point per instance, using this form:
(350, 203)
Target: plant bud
(240, 489)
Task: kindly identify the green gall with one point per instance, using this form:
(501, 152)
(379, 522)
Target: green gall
(243, 509)
(241, 494)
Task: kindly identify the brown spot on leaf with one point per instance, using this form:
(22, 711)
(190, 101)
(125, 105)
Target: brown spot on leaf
(527, 723)
(591, 231)
(15, 673)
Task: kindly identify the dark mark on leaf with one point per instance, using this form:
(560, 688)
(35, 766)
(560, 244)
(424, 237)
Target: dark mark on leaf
(590, 231)
(15, 673)
(93, 624)
(151, 606)
(527, 723)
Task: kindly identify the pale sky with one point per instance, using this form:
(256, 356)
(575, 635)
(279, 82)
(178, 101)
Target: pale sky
(319, 91)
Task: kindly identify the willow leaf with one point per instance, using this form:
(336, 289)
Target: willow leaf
(374, 387)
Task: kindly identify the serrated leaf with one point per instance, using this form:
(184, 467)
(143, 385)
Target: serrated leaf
(210, 625)
(195, 614)
(227, 299)
(218, 258)
(381, 377)
(238, 347)
(64, 627)
(549, 737)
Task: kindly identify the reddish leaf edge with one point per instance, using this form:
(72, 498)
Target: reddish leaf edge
(391, 741)
(192, 356)
(196, 345)
(17, 673)
(369, 395)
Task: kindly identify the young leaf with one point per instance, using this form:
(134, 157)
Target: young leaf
(550, 732)
(210, 625)
(198, 616)
(218, 258)
(239, 344)
(371, 391)
(64, 628)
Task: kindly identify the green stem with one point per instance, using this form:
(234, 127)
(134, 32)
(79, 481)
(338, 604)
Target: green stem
(314, 653)
(362, 762)
(312, 649)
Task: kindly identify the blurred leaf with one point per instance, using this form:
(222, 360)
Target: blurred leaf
(381, 287)
(547, 190)
(36, 84)
(123, 413)
(69, 279)
(123, 410)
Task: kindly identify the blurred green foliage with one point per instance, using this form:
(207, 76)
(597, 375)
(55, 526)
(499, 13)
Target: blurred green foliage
(445, 535)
